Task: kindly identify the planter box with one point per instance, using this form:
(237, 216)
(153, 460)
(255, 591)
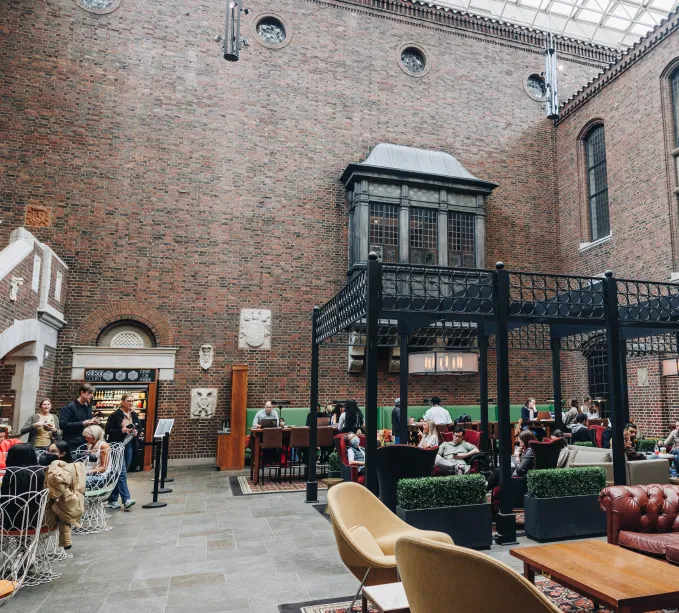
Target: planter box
(549, 519)
(468, 526)
(334, 474)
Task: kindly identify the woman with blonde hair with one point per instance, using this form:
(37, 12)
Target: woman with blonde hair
(429, 436)
(99, 452)
(123, 427)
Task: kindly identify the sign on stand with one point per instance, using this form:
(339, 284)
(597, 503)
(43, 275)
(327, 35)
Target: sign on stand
(164, 427)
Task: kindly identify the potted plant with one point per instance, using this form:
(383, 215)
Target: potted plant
(583, 444)
(334, 465)
(564, 503)
(647, 445)
(455, 505)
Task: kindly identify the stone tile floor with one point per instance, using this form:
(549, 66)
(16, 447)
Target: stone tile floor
(207, 551)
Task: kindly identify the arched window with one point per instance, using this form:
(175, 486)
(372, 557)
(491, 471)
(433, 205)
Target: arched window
(674, 84)
(126, 334)
(597, 183)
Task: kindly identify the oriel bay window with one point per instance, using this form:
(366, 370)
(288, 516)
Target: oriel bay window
(414, 206)
(384, 231)
(423, 236)
(461, 241)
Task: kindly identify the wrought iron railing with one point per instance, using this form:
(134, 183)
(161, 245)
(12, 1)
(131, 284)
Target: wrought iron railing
(430, 289)
(346, 307)
(556, 296)
(648, 302)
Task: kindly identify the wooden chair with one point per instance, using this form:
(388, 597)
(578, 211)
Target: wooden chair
(299, 443)
(325, 442)
(272, 438)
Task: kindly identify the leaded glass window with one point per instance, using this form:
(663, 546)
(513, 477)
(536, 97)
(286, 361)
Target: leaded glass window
(461, 247)
(597, 183)
(384, 231)
(675, 106)
(413, 60)
(271, 31)
(423, 236)
(597, 374)
(536, 86)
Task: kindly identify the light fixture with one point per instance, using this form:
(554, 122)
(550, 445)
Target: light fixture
(443, 363)
(670, 367)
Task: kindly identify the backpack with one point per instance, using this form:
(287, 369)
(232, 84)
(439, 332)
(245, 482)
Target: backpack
(464, 418)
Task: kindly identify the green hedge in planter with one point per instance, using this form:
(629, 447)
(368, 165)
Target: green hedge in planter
(647, 445)
(559, 482)
(334, 462)
(584, 444)
(433, 492)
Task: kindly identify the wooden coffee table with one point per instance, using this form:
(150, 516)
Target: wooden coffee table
(611, 576)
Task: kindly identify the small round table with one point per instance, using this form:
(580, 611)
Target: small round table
(330, 482)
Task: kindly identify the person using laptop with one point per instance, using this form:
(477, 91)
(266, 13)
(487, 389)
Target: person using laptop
(268, 412)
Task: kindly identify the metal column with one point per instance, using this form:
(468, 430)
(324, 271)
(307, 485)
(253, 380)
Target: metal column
(615, 369)
(506, 520)
(312, 484)
(483, 390)
(404, 336)
(555, 345)
(623, 374)
(373, 280)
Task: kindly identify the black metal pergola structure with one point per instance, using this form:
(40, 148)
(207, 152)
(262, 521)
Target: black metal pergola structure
(396, 304)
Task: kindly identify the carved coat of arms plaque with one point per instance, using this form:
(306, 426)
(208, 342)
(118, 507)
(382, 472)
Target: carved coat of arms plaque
(255, 329)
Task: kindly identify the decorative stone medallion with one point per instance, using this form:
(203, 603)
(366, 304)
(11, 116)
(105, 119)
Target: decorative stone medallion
(203, 402)
(255, 329)
(207, 354)
(37, 216)
(100, 7)
(14, 284)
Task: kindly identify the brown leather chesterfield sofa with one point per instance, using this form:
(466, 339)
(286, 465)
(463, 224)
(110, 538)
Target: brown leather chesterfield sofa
(643, 518)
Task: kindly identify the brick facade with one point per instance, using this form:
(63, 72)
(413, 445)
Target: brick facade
(183, 188)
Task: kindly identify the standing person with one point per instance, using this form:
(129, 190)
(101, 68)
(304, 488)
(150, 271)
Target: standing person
(123, 427)
(76, 416)
(437, 413)
(396, 421)
(268, 412)
(352, 418)
(42, 427)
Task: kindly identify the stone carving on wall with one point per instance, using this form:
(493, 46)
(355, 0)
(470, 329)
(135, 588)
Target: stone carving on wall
(38, 216)
(14, 284)
(207, 354)
(255, 329)
(203, 402)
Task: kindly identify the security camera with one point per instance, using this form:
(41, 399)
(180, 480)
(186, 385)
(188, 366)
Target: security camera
(218, 38)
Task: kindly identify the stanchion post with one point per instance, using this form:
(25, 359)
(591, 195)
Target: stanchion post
(163, 471)
(156, 480)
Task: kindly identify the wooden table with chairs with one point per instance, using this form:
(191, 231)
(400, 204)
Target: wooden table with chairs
(284, 438)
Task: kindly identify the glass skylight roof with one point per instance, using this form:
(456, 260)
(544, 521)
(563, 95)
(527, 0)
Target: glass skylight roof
(611, 23)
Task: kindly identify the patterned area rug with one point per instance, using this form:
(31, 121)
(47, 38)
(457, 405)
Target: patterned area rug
(243, 486)
(567, 600)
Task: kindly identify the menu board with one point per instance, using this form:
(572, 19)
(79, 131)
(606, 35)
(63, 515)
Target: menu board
(120, 375)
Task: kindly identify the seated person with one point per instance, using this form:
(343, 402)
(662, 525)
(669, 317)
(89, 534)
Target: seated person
(355, 453)
(524, 457)
(429, 436)
(593, 412)
(606, 437)
(452, 456)
(563, 455)
(672, 444)
(99, 452)
(319, 413)
(573, 410)
(58, 450)
(22, 475)
(528, 413)
(268, 412)
(579, 430)
(630, 434)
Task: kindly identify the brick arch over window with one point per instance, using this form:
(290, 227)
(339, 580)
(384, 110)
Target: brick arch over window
(113, 312)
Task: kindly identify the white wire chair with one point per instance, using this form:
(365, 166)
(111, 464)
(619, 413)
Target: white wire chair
(21, 528)
(94, 519)
(20, 479)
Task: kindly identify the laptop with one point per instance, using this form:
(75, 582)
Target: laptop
(268, 423)
(321, 422)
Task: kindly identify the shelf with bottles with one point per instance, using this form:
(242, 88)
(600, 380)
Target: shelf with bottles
(114, 404)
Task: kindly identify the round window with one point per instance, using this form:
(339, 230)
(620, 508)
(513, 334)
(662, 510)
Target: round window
(99, 7)
(413, 60)
(270, 30)
(535, 86)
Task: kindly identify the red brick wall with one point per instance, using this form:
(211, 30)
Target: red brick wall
(46, 389)
(196, 187)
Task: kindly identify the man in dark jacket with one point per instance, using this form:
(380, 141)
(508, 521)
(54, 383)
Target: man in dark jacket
(580, 432)
(396, 421)
(76, 416)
